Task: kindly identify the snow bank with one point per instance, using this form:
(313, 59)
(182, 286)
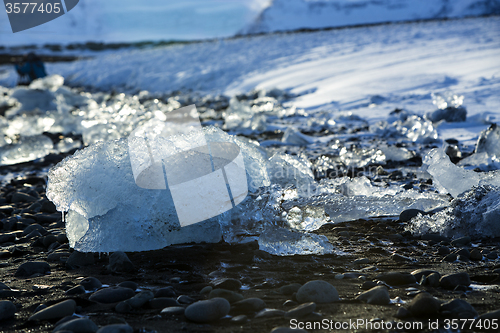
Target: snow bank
(285, 15)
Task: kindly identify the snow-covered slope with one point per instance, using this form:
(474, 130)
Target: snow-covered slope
(283, 15)
(369, 71)
(132, 20)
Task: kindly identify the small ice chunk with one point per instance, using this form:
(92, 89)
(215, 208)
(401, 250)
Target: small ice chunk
(284, 242)
(396, 154)
(474, 213)
(453, 179)
(291, 171)
(413, 127)
(27, 149)
(309, 218)
(51, 82)
(489, 141)
(31, 100)
(447, 99)
(68, 144)
(360, 158)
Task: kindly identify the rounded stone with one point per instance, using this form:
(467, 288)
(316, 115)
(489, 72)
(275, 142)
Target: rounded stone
(112, 295)
(248, 305)
(119, 262)
(184, 299)
(78, 290)
(173, 310)
(397, 278)
(79, 325)
(378, 295)
(116, 328)
(7, 310)
(317, 291)
(59, 310)
(424, 305)
(165, 292)
(163, 302)
(226, 283)
(450, 281)
(128, 284)
(458, 307)
(229, 295)
(207, 311)
(141, 298)
(289, 289)
(91, 283)
(301, 310)
(29, 268)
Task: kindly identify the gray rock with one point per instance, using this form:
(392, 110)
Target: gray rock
(444, 250)
(7, 310)
(229, 284)
(123, 307)
(231, 296)
(112, 295)
(248, 305)
(239, 319)
(450, 281)
(433, 280)
(79, 259)
(33, 227)
(289, 289)
(462, 241)
(450, 114)
(422, 272)
(119, 262)
(402, 313)
(408, 214)
(59, 310)
(91, 283)
(270, 313)
(397, 278)
(22, 197)
(207, 311)
(79, 325)
(463, 253)
(378, 295)
(287, 330)
(184, 299)
(3, 286)
(173, 310)
(57, 256)
(317, 291)
(452, 257)
(62, 238)
(458, 307)
(48, 240)
(116, 328)
(128, 284)
(490, 315)
(435, 237)
(78, 290)
(301, 310)
(32, 267)
(206, 290)
(163, 302)
(424, 305)
(476, 255)
(165, 292)
(140, 299)
(492, 255)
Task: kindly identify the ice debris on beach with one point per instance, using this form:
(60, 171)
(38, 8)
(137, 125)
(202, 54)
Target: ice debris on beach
(26, 149)
(486, 156)
(450, 108)
(475, 213)
(402, 124)
(453, 179)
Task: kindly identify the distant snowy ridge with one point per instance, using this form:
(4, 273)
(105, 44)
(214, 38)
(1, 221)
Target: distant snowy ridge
(287, 15)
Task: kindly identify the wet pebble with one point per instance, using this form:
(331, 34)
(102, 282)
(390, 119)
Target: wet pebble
(408, 214)
(91, 283)
(57, 256)
(450, 281)
(226, 283)
(119, 262)
(424, 305)
(458, 308)
(128, 284)
(116, 328)
(173, 310)
(301, 310)
(163, 302)
(59, 310)
(422, 272)
(397, 278)
(140, 299)
(7, 310)
(78, 290)
(444, 250)
(378, 295)
(492, 255)
(317, 291)
(207, 311)
(248, 305)
(32, 267)
(239, 319)
(270, 313)
(206, 290)
(462, 241)
(289, 289)
(79, 325)
(112, 295)
(79, 259)
(476, 255)
(165, 292)
(229, 295)
(123, 307)
(452, 257)
(463, 254)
